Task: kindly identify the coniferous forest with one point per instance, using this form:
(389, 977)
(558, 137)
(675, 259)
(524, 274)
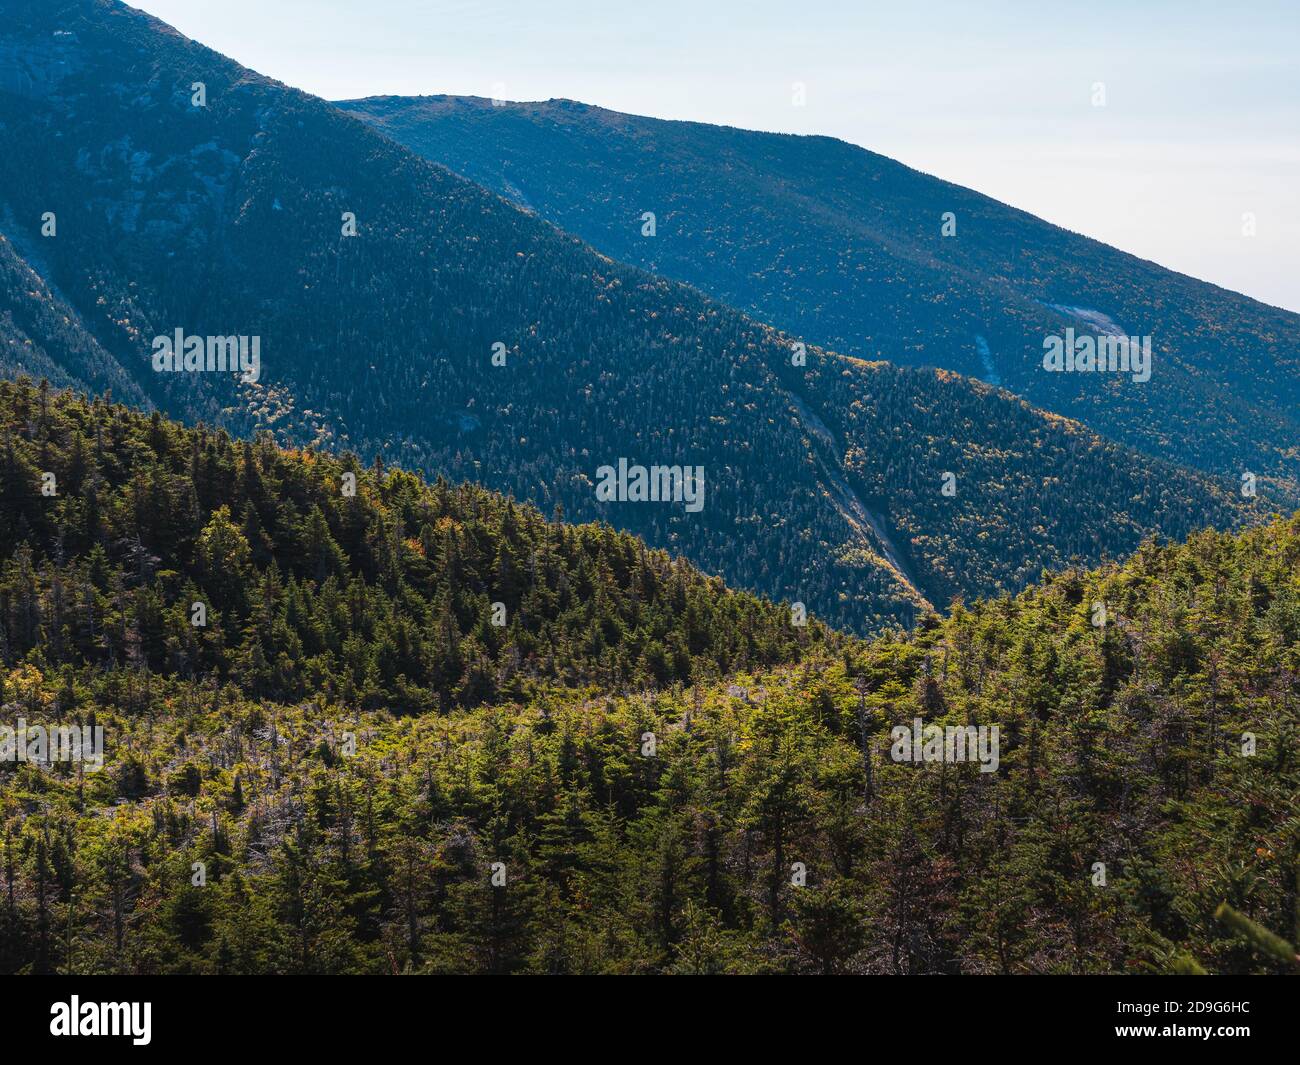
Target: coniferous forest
(351, 752)
(363, 661)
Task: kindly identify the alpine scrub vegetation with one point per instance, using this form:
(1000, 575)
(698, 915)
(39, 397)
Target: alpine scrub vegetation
(1260, 938)
(349, 768)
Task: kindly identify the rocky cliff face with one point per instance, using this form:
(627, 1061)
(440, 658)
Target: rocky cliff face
(34, 68)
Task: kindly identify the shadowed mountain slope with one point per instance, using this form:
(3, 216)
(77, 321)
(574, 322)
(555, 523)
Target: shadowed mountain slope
(845, 248)
(193, 194)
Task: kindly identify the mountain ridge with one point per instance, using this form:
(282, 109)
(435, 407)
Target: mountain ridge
(835, 243)
(225, 218)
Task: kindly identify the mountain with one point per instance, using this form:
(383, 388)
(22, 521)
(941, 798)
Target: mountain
(348, 768)
(459, 335)
(318, 579)
(42, 336)
(844, 248)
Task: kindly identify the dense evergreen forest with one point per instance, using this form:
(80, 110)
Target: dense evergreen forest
(348, 768)
(842, 247)
(385, 686)
(228, 219)
(317, 577)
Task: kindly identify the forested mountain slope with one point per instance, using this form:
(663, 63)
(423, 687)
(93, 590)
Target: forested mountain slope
(41, 336)
(192, 194)
(349, 769)
(842, 247)
(319, 579)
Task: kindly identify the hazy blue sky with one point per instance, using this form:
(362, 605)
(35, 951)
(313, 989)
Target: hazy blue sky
(1201, 123)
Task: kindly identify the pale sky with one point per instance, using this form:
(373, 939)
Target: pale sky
(1201, 123)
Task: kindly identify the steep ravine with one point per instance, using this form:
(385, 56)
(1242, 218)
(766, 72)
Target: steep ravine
(851, 506)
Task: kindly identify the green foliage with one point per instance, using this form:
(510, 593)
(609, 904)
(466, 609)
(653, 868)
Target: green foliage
(1257, 936)
(351, 781)
(382, 598)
